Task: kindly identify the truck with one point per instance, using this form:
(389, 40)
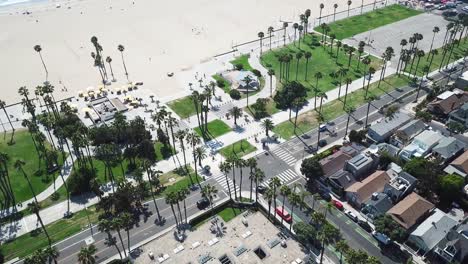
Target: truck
(382, 238)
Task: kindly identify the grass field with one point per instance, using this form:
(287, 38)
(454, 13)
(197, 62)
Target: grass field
(458, 53)
(216, 128)
(323, 60)
(59, 230)
(23, 149)
(183, 107)
(244, 60)
(357, 24)
(331, 110)
(229, 213)
(226, 85)
(239, 149)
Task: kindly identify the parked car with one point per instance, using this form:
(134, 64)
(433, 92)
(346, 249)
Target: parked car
(337, 204)
(351, 215)
(365, 226)
(283, 214)
(203, 203)
(325, 195)
(322, 143)
(323, 128)
(381, 238)
(261, 189)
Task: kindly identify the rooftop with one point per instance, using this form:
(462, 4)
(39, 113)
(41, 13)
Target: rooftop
(334, 162)
(409, 210)
(374, 183)
(413, 128)
(448, 147)
(390, 124)
(434, 228)
(360, 161)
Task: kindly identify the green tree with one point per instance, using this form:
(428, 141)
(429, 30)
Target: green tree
(451, 187)
(268, 125)
(86, 255)
(312, 170)
(305, 233)
(327, 235)
(270, 196)
(208, 191)
(261, 35)
(35, 208)
(3, 106)
(225, 167)
(271, 72)
(38, 49)
(274, 184)
(121, 48)
(236, 113)
(350, 110)
(284, 191)
(252, 164)
(171, 199)
(342, 247)
(294, 200)
(386, 225)
(356, 257)
(259, 176)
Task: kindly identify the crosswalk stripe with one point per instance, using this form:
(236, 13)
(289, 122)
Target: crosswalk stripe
(285, 156)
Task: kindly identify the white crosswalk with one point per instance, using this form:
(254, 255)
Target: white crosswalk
(285, 156)
(221, 179)
(285, 177)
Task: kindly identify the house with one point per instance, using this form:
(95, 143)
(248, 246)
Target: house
(360, 192)
(448, 149)
(421, 145)
(448, 102)
(340, 180)
(459, 166)
(334, 162)
(400, 185)
(407, 132)
(462, 81)
(410, 211)
(454, 247)
(430, 232)
(460, 115)
(361, 164)
(382, 130)
(388, 148)
(377, 205)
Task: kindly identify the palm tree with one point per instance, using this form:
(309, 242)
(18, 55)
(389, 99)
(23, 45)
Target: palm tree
(294, 200)
(127, 222)
(3, 106)
(180, 135)
(348, 81)
(236, 113)
(342, 247)
(362, 5)
(252, 164)
(318, 76)
(34, 208)
(247, 79)
(52, 253)
(225, 167)
(86, 255)
(369, 100)
(433, 53)
(307, 56)
(350, 110)
(420, 54)
(270, 33)
(270, 196)
(320, 120)
(338, 46)
(105, 226)
(171, 199)
(109, 61)
(121, 48)
(275, 183)
(284, 191)
(209, 191)
(116, 225)
(19, 166)
(298, 58)
(403, 43)
(335, 6)
(300, 29)
(327, 235)
(261, 35)
(259, 177)
(295, 26)
(271, 72)
(320, 15)
(268, 125)
(194, 139)
(38, 49)
(240, 164)
(435, 30)
(285, 25)
(297, 104)
(182, 195)
(350, 55)
(201, 154)
(370, 73)
(349, 4)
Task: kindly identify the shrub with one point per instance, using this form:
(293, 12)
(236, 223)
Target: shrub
(239, 66)
(257, 73)
(220, 83)
(235, 94)
(79, 181)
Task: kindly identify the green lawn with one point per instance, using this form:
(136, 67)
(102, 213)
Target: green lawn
(226, 84)
(333, 109)
(323, 61)
(183, 107)
(244, 60)
(160, 154)
(23, 149)
(229, 213)
(239, 149)
(59, 230)
(458, 53)
(216, 128)
(357, 24)
(270, 108)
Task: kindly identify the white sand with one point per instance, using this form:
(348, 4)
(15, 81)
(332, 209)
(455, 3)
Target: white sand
(175, 34)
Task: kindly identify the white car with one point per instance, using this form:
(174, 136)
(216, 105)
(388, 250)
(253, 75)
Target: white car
(351, 215)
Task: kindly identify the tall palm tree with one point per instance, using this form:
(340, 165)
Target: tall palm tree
(349, 5)
(320, 15)
(248, 80)
(236, 113)
(320, 120)
(284, 191)
(318, 76)
(342, 247)
(335, 6)
(259, 177)
(3, 106)
(38, 49)
(433, 53)
(34, 208)
(121, 48)
(209, 191)
(307, 56)
(252, 164)
(127, 222)
(350, 110)
(275, 183)
(294, 200)
(109, 61)
(225, 167)
(348, 81)
(105, 226)
(297, 104)
(403, 43)
(171, 199)
(261, 35)
(270, 196)
(194, 139)
(371, 72)
(285, 26)
(240, 164)
(201, 154)
(295, 26)
(180, 135)
(182, 194)
(362, 5)
(19, 166)
(52, 253)
(268, 125)
(271, 72)
(435, 30)
(369, 100)
(298, 58)
(270, 33)
(86, 255)
(116, 225)
(420, 54)
(327, 235)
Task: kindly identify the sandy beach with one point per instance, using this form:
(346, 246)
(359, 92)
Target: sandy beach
(159, 37)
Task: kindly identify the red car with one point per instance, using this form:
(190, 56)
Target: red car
(284, 214)
(337, 204)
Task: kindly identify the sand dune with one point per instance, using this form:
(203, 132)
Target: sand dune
(159, 37)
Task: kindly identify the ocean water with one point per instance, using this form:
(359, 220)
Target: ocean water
(12, 2)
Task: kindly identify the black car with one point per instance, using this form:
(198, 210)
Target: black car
(365, 225)
(322, 143)
(325, 195)
(261, 189)
(203, 203)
